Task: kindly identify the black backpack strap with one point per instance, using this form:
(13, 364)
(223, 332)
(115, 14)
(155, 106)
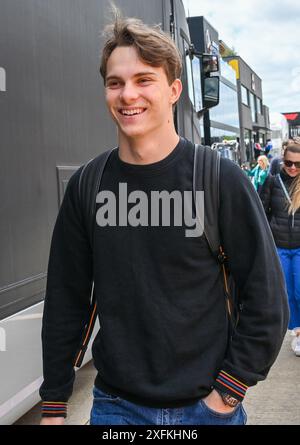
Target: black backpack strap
(88, 330)
(88, 187)
(206, 177)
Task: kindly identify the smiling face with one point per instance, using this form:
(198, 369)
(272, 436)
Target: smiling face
(294, 157)
(261, 164)
(138, 95)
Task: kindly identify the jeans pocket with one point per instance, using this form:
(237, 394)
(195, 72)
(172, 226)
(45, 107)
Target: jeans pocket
(103, 396)
(211, 417)
(217, 413)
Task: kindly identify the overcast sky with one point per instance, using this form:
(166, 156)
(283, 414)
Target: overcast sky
(267, 36)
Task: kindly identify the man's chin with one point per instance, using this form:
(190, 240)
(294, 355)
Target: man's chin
(131, 133)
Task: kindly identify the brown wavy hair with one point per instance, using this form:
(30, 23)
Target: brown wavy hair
(294, 147)
(154, 46)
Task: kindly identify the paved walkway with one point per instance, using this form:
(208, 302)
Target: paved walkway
(275, 401)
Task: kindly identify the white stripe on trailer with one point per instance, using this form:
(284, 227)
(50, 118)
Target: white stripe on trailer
(18, 398)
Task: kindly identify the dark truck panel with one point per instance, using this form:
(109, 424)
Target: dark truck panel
(53, 119)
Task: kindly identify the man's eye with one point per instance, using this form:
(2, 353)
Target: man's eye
(113, 84)
(144, 80)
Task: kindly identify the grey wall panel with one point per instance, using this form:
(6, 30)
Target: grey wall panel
(260, 121)
(246, 117)
(246, 78)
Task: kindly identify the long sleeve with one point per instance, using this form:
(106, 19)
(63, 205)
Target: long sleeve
(262, 176)
(253, 171)
(67, 302)
(256, 269)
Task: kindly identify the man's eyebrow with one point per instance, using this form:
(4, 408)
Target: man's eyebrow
(142, 73)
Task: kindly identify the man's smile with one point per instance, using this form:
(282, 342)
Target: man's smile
(131, 111)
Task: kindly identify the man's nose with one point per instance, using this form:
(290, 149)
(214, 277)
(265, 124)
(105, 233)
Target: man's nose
(129, 92)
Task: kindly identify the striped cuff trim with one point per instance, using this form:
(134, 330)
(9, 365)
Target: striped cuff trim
(231, 383)
(55, 409)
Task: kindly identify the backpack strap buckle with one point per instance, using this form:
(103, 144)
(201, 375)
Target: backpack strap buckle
(222, 257)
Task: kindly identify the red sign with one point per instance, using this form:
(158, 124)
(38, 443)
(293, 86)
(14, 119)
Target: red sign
(291, 116)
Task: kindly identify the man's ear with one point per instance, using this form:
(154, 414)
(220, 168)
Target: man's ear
(176, 89)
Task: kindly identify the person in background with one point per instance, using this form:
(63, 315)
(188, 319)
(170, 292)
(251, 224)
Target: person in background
(296, 139)
(258, 151)
(268, 148)
(280, 196)
(277, 161)
(259, 173)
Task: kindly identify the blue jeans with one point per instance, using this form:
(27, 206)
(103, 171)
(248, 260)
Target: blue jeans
(290, 261)
(111, 410)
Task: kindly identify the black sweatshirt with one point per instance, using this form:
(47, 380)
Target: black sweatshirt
(163, 338)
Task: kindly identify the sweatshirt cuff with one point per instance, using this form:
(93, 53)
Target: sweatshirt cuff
(231, 385)
(54, 409)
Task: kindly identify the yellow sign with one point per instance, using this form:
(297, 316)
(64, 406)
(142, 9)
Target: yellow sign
(235, 65)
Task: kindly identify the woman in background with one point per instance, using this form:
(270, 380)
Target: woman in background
(259, 173)
(280, 196)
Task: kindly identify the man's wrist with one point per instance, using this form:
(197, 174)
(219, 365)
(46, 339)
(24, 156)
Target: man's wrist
(228, 399)
(230, 384)
(215, 402)
(52, 421)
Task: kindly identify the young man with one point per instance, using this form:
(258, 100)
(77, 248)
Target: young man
(163, 352)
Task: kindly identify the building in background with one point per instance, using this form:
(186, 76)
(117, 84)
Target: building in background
(222, 122)
(293, 119)
(253, 114)
(241, 114)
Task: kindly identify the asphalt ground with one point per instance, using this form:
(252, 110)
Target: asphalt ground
(275, 401)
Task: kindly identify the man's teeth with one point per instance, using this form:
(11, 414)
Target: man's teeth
(131, 112)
